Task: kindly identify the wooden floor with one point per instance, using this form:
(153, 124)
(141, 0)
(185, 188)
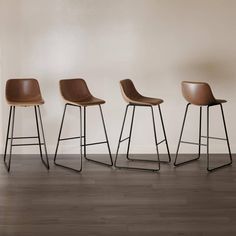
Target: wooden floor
(103, 201)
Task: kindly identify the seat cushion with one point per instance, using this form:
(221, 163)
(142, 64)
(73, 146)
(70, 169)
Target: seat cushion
(146, 101)
(91, 101)
(218, 101)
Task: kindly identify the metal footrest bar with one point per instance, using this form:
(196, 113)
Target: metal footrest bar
(161, 142)
(64, 139)
(27, 144)
(186, 142)
(90, 144)
(223, 139)
(23, 137)
(124, 139)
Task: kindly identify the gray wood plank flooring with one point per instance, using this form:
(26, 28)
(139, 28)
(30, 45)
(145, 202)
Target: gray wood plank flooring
(103, 201)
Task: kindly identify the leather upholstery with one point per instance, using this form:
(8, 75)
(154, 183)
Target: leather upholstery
(76, 91)
(23, 92)
(132, 96)
(199, 93)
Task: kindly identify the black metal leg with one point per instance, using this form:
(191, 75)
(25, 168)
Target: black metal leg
(128, 138)
(164, 132)
(38, 132)
(227, 140)
(81, 144)
(121, 132)
(59, 139)
(8, 166)
(180, 139)
(181, 134)
(104, 126)
(155, 136)
(7, 136)
(107, 142)
(44, 140)
(200, 134)
(208, 158)
(85, 132)
(226, 134)
(130, 133)
(59, 136)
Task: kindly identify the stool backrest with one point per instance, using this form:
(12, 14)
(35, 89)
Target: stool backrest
(128, 90)
(74, 90)
(22, 90)
(198, 93)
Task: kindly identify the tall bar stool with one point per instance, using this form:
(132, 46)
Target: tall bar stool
(24, 93)
(200, 94)
(76, 94)
(134, 99)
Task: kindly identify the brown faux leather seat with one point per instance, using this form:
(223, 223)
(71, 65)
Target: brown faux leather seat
(76, 91)
(200, 94)
(23, 92)
(132, 96)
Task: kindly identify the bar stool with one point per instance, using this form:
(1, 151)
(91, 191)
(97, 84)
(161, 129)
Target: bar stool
(76, 94)
(200, 94)
(24, 93)
(134, 99)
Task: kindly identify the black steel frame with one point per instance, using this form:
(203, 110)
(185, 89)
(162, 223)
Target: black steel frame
(129, 140)
(11, 124)
(82, 138)
(207, 137)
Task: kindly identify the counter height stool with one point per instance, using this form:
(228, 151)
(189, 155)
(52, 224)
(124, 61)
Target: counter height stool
(24, 93)
(76, 94)
(134, 99)
(200, 94)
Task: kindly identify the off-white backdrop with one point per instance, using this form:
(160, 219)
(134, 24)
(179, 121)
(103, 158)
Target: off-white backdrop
(157, 43)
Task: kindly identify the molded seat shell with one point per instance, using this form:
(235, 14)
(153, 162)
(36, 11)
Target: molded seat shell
(76, 91)
(132, 96)
(23, 92)
(199, 93)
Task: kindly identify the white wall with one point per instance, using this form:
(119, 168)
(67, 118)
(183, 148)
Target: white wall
(157, 43)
